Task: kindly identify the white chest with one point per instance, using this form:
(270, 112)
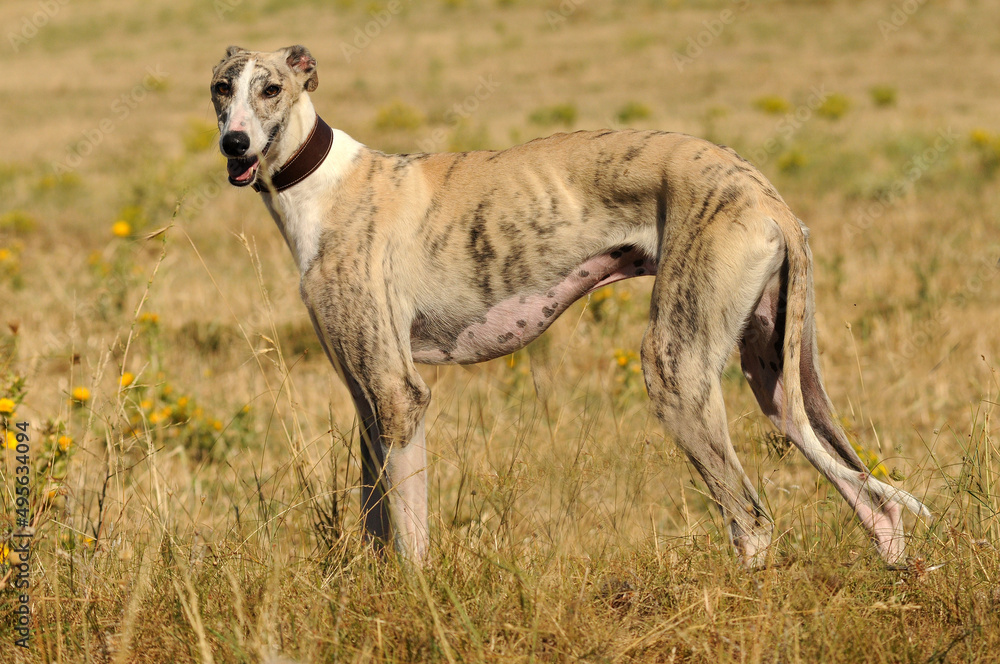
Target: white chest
(300, 209)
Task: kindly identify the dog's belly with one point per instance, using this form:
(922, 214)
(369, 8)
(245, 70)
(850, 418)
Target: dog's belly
(513, 323)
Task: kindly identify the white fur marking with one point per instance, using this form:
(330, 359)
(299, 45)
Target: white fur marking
(304, 205)
(406, 470)
(240, 112)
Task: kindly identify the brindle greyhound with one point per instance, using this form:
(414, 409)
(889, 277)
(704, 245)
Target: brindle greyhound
(461, 258)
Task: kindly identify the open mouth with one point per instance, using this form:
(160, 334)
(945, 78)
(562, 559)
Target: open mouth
(242, 170)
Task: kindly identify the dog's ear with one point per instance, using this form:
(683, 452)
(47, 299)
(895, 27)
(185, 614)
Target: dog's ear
(230, 52)
(303, 64)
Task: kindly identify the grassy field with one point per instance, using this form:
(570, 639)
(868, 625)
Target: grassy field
(193, 472)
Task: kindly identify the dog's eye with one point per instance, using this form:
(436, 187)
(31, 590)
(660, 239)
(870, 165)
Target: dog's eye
(272, 90)
(222, 88)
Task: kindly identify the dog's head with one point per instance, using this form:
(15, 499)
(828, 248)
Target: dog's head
(253, 94)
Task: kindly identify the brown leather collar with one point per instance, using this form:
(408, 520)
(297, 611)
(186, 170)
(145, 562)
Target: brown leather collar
(303, 163)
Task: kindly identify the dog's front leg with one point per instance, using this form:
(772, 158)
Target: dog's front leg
(394, 461)
(374, 508)
(390, 404)
(406, 472)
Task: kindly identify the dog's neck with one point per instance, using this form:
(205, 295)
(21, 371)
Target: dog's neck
(300, 122)
(299, 210)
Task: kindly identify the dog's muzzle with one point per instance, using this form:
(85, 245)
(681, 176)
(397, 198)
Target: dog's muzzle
(242, 169)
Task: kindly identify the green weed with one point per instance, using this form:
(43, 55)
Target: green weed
(398, 116)
(633, 111)
(560, 114)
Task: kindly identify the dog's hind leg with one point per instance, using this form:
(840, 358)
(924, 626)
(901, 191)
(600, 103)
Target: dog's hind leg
(707, 285)
(762, 357)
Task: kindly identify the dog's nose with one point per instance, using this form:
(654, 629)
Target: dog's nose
(235, 143)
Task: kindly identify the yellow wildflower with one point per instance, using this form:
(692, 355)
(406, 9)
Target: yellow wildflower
(7, 406)
(154, 418)
(870, 459)
(11, 441)
(81, 395)
(149, 318)
(979, 137)
(145, 404)
(121, 229)
(64, 443)
(182, 402)
(217, 425)
(4, 553)
(127, 379)
(5, 255)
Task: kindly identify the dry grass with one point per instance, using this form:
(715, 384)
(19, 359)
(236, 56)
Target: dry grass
(206, 511)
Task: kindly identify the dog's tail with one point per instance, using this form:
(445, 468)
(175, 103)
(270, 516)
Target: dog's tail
(866, 494)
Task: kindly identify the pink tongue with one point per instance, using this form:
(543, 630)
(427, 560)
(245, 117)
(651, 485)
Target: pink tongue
(240, 169)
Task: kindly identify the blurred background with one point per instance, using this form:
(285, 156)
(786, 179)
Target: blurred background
(176, 392)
